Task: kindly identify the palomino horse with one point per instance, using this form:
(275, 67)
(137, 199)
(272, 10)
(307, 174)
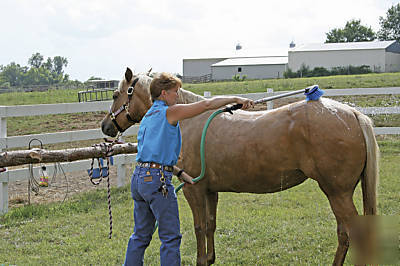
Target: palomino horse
(266, 152)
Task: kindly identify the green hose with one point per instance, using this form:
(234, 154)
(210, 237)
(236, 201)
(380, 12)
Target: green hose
(202, 156)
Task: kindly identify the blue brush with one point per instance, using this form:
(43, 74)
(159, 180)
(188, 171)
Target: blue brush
(313, 93)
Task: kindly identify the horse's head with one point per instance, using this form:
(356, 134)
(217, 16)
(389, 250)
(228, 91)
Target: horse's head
(132, 99)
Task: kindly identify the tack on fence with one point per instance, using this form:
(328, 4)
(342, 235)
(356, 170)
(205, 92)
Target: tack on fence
(122, 160)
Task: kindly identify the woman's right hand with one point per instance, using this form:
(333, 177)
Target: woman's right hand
(247, 103)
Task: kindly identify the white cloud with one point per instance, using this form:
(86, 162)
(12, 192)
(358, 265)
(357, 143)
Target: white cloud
(101, 37)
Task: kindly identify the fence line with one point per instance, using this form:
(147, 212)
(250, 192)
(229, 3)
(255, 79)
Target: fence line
(121, 161)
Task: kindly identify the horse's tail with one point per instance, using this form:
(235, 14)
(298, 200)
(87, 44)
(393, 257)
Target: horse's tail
(370, 175)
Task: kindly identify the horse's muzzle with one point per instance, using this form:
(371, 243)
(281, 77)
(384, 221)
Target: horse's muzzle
(108, 128)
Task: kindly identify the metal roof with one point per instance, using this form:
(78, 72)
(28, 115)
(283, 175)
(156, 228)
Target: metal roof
(261, 60)
(341, 46)
(222, 54)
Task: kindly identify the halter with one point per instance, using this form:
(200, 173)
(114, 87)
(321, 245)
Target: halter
(125, 107)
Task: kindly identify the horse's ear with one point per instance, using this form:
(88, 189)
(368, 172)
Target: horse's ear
(148, 72)
(128, 74)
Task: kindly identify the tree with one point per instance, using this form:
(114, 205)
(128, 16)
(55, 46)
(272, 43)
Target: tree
(13, 73)
(352, 32)
(49, 64)
(58, 64)
(390, 26)
(35, 60)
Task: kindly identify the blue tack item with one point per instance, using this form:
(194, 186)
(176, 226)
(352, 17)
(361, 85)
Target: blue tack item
(314, 93)
(96, 171)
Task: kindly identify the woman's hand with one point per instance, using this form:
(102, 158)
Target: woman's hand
(247, 103)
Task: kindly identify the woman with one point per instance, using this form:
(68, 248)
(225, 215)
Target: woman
(159, 144)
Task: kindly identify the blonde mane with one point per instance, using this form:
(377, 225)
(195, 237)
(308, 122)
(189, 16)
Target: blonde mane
(143, 82)
(188, 97)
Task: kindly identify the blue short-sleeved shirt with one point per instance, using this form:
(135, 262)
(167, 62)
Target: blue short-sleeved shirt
(158, 140)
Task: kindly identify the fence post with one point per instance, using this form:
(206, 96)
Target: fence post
(207, 94)
(121, 173)
(3, 185)
(270, 104)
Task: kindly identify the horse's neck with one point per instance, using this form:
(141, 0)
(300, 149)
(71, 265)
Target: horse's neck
(188, 97)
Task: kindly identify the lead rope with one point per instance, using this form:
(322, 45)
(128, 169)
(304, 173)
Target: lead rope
(107, 151)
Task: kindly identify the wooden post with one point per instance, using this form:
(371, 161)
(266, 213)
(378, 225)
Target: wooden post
(20, 157)
(3, 185)
(121, 175)
(3, 197)
(270, 104)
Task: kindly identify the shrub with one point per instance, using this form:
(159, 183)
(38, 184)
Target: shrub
(305, 71)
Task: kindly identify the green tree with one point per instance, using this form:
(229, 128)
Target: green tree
(59, 63)
(48, 64)
(352, 32)
(38, 76)
(390, 26)
(35, 60)
(94, 78)
(13, 73)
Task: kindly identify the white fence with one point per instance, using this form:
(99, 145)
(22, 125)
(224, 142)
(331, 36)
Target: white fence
(121, 161)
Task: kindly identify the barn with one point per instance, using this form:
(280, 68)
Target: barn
(199, 69)
(380, 56)
(261, 67)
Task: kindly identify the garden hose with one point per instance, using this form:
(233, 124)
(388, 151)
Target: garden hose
(202, 154)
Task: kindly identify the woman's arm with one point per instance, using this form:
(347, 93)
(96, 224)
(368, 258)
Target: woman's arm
(179, 112)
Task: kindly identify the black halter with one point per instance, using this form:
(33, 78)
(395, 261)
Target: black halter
(125, 107)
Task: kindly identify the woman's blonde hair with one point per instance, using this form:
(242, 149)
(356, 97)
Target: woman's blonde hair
(163, 81)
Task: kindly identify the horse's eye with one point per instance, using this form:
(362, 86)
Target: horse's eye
(115, 96)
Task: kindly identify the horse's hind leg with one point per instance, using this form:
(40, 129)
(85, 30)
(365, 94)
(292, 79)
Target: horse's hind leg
(211, 202)
(345, 211)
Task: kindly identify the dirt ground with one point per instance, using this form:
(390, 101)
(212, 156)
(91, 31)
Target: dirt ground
(60, 187)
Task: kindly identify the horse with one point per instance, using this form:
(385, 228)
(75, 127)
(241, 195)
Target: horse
(266, 152)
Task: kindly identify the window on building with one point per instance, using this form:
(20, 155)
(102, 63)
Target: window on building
(239, 69)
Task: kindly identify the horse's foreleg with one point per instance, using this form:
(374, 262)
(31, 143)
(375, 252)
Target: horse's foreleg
(211, 202)
(197, 202)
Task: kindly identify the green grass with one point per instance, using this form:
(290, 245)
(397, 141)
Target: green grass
(332, 82)
(293, 227)
(230, 87)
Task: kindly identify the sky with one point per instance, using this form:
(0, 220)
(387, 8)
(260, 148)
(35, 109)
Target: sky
(102, 37)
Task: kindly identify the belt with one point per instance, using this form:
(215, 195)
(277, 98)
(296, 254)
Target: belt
(168, 168)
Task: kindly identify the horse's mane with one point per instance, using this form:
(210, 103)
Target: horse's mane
(144, 81)
(188, 96)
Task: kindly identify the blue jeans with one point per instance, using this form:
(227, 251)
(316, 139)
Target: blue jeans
(150, 205)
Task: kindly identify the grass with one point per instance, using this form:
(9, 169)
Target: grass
(228, 87)
(293, 227)
(331, 82)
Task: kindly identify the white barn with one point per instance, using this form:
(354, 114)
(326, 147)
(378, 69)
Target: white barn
(381, 56)
(262, 67)
(196, 69)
